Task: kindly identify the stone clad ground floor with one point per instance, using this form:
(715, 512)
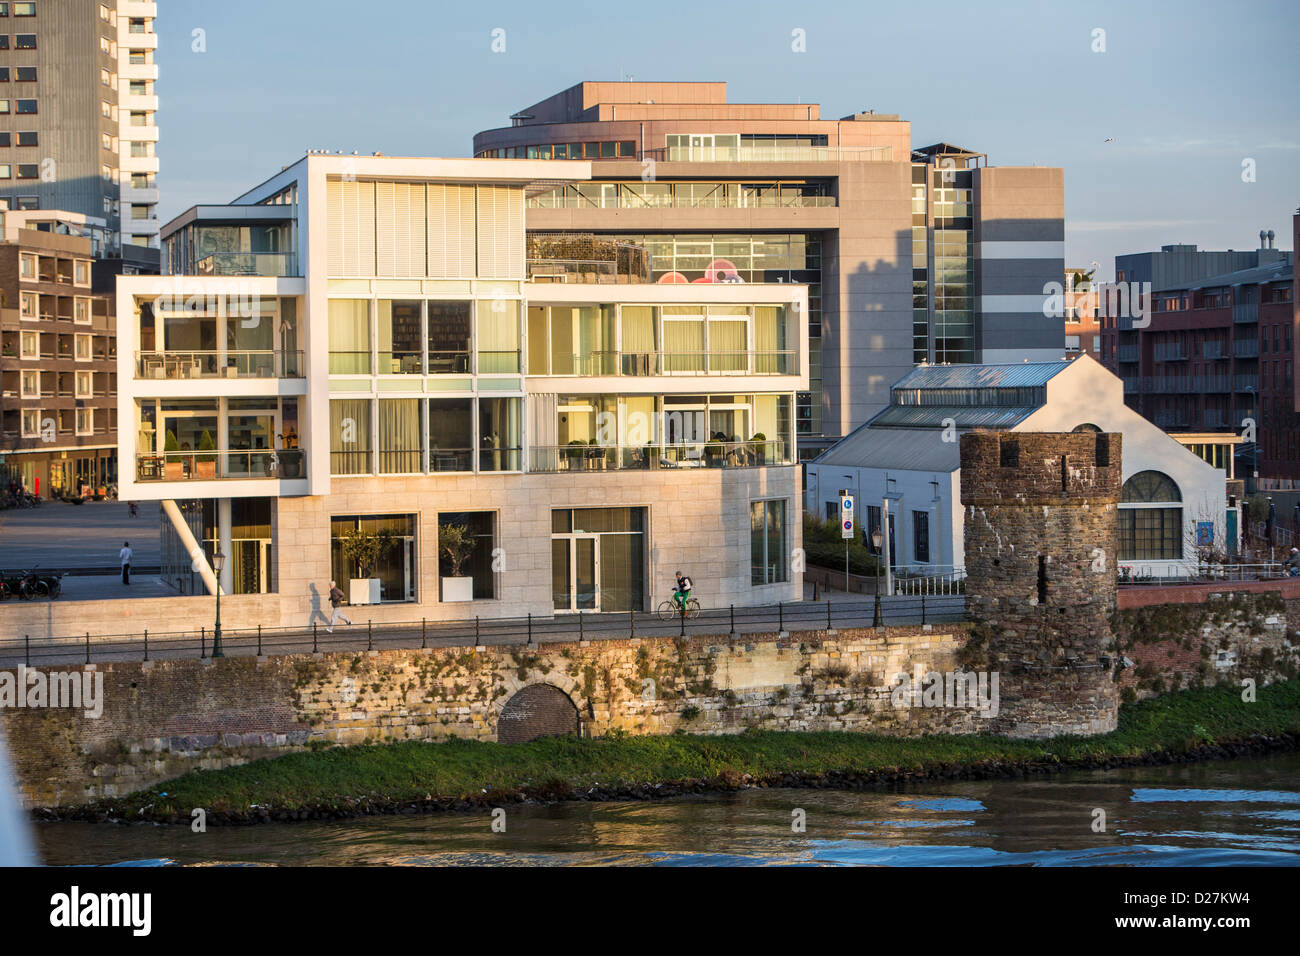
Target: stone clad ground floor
(546, 544)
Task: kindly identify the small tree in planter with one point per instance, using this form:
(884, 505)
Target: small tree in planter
(205, 463)
(457, 544)
(758, 448)
(364, 550)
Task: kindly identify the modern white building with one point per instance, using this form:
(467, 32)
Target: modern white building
(363, 353)
(907, 459)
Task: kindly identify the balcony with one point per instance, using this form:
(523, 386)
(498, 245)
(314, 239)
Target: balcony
(1169, 352)
(211, 465)
(1245, 313)
(717, 362)
(1173, 418)
(576, 457)
(1132, 385)
(1212, 350)
(1128, 353)
(1245, 383)
(771, 154)
(1185, 384)
(669, 195)
(247, 264)
(1246, 348)
(224, 364)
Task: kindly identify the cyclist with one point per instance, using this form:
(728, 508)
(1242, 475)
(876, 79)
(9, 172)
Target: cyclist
(683, 592)
(1292, 564)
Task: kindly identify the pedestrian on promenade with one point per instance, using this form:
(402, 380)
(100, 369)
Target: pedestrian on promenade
(131, 507)
(125, 556)
(336, 602)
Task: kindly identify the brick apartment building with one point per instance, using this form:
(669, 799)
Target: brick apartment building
(58, 372)
(1082, 315)
(1219, 349)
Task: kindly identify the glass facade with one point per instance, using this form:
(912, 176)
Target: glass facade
(769, 546)
(766, 257)
(394, 565)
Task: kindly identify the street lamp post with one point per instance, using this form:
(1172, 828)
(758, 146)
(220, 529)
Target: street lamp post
(875, 542)
(218, 564)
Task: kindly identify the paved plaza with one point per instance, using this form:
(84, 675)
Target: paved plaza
(65, 537)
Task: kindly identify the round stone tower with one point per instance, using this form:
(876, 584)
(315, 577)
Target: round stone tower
(1041, 516)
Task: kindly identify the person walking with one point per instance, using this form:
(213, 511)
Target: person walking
(125, 556)
(336, 602)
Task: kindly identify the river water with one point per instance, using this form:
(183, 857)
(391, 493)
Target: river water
(1230, 813)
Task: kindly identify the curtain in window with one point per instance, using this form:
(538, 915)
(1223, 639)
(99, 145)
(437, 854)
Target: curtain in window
(769, 339)
(349, 323)
(683, 345)
(498, 336)
(727, 346)
(399, 435)
(350, 436)
(638, 340)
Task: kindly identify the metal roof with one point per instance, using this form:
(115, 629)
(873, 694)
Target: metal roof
(962, 416)
(1024, 375)
(1272, 272)
(917, 449)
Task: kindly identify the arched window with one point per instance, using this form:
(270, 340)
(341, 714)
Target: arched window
(1085, 427)
(1150, 518)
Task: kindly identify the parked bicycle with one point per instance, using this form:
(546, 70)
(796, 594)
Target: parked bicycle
(29, 584)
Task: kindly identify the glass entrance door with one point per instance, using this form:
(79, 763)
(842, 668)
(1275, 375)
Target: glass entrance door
(575, 572)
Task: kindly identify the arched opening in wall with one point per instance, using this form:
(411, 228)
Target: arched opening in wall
(1085, 427)
(1150, 518)
(538, 710)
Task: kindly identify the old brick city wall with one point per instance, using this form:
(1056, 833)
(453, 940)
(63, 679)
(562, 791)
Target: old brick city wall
(1041, 525)
(164, 718)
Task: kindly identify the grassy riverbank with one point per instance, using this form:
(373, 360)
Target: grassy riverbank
(458, 775)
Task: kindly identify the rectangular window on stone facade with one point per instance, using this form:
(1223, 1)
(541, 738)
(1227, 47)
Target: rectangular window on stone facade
(481, 526)
(768, 544)
(395, 564)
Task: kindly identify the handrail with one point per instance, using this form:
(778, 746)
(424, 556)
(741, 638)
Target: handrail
(219, 363)
(651, 456)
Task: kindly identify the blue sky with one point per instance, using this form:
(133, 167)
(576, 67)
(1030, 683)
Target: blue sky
(1188, 90)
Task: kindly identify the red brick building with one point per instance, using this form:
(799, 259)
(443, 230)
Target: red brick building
(1217, 352)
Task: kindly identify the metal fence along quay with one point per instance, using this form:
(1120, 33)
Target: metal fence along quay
(723, 623)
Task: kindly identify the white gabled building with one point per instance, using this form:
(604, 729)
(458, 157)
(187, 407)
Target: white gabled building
(908, 456)
(356, 346)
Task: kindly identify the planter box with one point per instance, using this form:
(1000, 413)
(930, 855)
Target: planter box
(205, 469)
(363, 591)
(457, 589)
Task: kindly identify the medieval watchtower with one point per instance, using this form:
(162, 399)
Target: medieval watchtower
(1041, 513)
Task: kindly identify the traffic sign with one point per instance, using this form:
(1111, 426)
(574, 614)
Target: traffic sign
(846, 516)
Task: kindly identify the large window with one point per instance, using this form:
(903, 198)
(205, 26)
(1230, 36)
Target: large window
(449, 335)
(500, 438)
(350, 436)
(451, 434)
(498, 336)
(399, 436)
(1150, 518)
(393, 560)
(349, 337)
(598, 559)
(767, 541)
(481, 528)
(399, 338)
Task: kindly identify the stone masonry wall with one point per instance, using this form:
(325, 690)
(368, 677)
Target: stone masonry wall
(164, 718)
(1040, 530)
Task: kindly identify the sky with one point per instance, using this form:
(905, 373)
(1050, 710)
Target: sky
(1152, 120)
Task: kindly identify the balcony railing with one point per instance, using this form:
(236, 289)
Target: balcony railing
(1246, 348)
(249, 363)
(579, 457)
(770, 154)
(1245, 383)
(247, 264)
(411, 363)
(1245, 313)
(1212, 350)
(716, 362)
(1185, 384)
(1169, 352)
(211, 465)
(1128, 353)
(677, 196)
